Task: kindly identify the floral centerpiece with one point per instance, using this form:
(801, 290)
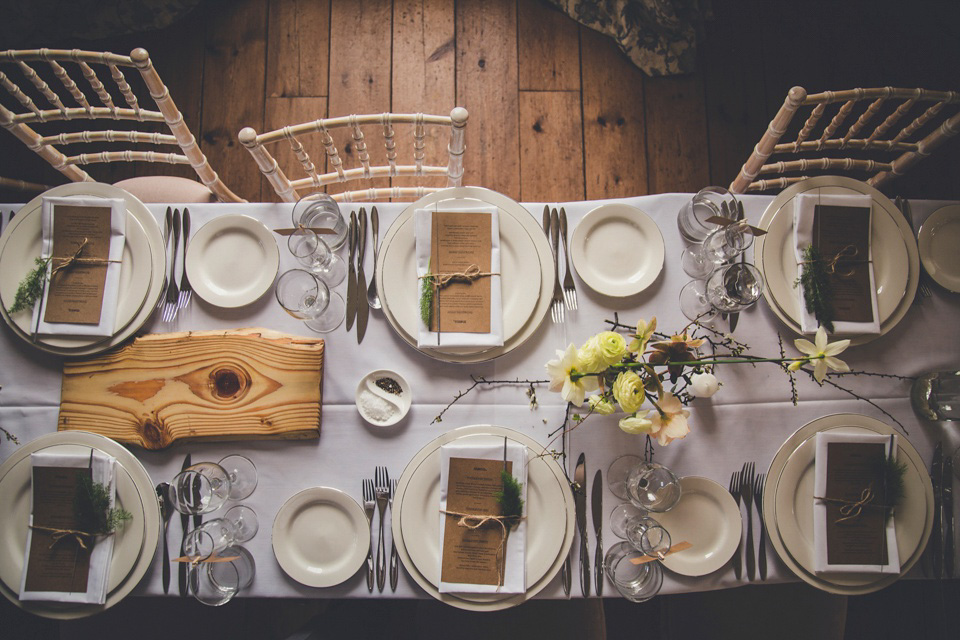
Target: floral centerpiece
(652, 380)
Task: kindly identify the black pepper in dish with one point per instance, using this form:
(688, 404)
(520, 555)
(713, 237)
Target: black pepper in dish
(390, 386)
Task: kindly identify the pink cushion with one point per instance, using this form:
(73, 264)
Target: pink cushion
(167, 189)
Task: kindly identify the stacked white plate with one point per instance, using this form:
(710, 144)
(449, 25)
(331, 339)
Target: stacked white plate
(141, 274)
(526, 267)
(135, 543)
(896, 262)
(939, 238)
(549, 511)
(788, 505)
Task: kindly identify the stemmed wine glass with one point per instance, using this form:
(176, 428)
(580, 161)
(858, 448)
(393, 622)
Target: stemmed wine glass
(723, 244)
(647, 485)
(200, 488)
(242, 473)
(640, 530)
(729, 288)
(315, 254)
(238, 524)
(303, 295)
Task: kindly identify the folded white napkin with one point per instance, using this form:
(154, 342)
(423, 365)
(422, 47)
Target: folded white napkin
(803, 216)
(102, 554)
(422, 229)
(821, 565)
(515, 571)
(111, 291)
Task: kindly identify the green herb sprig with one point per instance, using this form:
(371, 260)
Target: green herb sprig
(892, 474)
(31, 287)
(426, 297)
(817, 291)
(91, 506)
(511, 504)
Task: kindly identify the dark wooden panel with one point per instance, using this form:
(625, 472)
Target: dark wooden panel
(676, 134)
(298, 45)
(551, 146)
(487, 87)
(614, 124)
(549, 51)
(233, 91)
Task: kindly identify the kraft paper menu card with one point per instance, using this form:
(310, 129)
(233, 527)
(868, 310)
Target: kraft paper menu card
(472, 559)
(458, 259)
(839, 226)
(849, 538)
(84, 237)
(62, 570)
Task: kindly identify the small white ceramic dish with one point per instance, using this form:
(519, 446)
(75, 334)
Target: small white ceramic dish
(378, 406)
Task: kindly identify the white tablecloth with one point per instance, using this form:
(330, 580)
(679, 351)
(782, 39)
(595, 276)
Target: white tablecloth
(747, 420)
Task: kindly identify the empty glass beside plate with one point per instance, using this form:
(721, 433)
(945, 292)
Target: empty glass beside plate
(320, 211)
(708, 202)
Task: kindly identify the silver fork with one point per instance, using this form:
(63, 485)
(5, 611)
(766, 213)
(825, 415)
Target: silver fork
(382, 485)
(186, 291)
(569, 288)
(923, 288)
(173, 292)
(735, 481)
(556, 308)
(758, 484)
(369, 504)
(394, 560)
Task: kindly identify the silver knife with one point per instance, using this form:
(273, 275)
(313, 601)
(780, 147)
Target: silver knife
(184, 522)
(946, 490)
(735, 316)
(580, 500)
(936, 540)
(363, 305)
(351, 273)
(596, 508)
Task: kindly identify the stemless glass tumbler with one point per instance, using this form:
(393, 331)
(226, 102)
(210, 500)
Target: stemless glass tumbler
(635, 582)
(303, 295)
(320, 211)
(708, 202)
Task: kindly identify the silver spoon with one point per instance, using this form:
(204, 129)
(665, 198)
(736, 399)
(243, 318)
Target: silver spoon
(373, 298)
(165, 513)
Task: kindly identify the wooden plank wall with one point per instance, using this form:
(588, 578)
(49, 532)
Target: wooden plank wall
(557, 112)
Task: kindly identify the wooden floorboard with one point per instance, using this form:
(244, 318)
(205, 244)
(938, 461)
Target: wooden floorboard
(548, 48)
(550, 127)
(298, 48)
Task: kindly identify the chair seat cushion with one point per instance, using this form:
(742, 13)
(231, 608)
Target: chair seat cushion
(167, 189)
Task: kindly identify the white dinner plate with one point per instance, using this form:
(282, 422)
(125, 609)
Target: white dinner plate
(896, 261)
(157, 262)
(795, 505)
(232, 261)
(519, 269)
(16, 496)
(420, 518)
(617, 250)
(708, 518)
(321, 537)
(939, 241)
(150, 520)
(25, 244)
(770, 514)
(506, 206)
(478, 602)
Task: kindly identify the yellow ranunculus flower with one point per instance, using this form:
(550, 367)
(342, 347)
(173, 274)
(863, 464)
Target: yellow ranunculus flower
(611, 346)
(628, 391)
(590, 357)
(601, 405)
(637, 424)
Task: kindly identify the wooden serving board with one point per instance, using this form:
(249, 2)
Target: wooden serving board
(223, 385)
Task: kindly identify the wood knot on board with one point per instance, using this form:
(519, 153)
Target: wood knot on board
(228, 383)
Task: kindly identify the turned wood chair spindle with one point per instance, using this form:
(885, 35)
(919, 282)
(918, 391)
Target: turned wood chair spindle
(289, 190)
(95, 102)
(899, 152)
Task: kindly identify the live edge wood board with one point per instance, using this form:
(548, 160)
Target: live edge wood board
(211, 385)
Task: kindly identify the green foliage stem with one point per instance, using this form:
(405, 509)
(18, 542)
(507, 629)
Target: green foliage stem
(426, 298)
(817, 292)
(31, 287)
(91, 505)
(511, 504)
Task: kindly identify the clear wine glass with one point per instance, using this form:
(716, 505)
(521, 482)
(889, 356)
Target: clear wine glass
(723, 244)
(642, 531)
(653, 487)
(635, 582)
(200, 488)
(320, 211)
(239, 524)
(242, 473)
(729, 288)
(315, 254)
(303, 295)
(617, 474)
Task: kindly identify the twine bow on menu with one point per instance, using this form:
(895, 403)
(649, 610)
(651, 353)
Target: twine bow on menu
(65, 263)
(844, 257)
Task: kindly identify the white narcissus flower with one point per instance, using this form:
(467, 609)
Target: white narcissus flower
(672, 424)
(601, 405)
(822, 352)
(561, 371)
(637, 424)
(628, 391)
(704, 385)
